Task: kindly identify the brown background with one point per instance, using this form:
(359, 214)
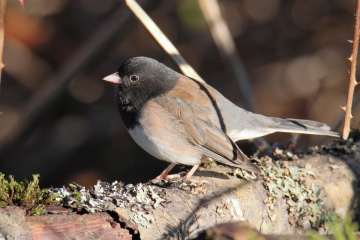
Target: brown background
(295, 53)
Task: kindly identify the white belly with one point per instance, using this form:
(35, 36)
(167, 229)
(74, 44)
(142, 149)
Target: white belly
(145, 143)
(163, 149)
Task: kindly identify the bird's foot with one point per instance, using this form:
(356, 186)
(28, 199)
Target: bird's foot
(170, 177)
(178, 178)
(194, 181)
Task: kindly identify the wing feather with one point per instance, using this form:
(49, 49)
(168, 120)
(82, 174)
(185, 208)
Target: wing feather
(202, 131)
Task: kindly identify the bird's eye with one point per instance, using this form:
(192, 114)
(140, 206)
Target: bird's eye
(134, 78)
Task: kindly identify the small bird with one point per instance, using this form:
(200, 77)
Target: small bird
(184, 121)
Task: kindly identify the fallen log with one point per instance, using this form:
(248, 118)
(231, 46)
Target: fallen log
(290, 197)
(15, 225)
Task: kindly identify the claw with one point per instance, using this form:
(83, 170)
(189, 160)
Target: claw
(187, 178)
(194, 181)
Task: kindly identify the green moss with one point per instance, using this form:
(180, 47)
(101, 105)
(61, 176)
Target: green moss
(340, 230)
(76, 195)
(25, 193)
(72, 186)
(36, 211)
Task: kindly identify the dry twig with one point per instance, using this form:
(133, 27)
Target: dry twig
(222, 37)
(226, 45)
(22, 3)
(2, 33)
(162, 40)
(352, 82)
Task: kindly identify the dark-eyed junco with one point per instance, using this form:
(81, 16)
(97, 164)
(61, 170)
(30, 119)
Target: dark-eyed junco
(181, 120)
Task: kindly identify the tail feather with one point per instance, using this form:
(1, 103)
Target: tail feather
(309, 123)
(302, 126)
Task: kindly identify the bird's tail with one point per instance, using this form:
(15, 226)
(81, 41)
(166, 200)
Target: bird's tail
(302, 126)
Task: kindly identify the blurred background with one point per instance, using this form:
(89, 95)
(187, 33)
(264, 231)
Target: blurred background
(59, 119)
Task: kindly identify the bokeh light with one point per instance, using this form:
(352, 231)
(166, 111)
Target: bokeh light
(294, 52)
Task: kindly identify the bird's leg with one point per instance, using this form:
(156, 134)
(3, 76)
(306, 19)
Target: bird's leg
(187, 177)
(165, 173)
(191, 172)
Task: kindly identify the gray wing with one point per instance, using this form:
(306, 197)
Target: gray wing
(214, 143)
(203, 133)
(241, 124)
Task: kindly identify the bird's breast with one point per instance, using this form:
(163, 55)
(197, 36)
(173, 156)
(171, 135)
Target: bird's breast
(146, 142)
(163, 136)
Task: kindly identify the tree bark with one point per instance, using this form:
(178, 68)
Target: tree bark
(182, 212)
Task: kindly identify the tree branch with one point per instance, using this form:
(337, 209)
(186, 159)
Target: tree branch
(352, 81)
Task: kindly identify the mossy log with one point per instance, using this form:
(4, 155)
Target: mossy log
(289, 198)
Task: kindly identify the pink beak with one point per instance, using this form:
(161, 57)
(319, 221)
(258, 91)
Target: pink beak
(114, 78)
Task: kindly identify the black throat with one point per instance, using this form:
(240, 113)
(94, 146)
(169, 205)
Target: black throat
(130, 107)
(132, 100)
